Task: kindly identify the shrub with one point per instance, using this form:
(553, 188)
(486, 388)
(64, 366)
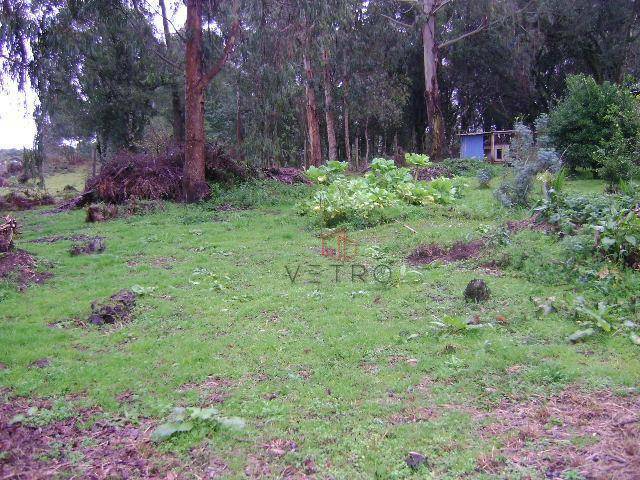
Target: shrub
(615, 160)
(462, 167)
(618, 237)
(529, 159)
(484, 178)
(589, 117)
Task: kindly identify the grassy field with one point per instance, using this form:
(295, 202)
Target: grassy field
(333, 379)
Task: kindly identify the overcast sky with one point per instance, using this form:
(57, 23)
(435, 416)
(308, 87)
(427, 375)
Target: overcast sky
(16, 108)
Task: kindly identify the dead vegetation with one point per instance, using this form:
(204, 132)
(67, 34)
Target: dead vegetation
(103, 212)
(25, 200)
(8, 231)
(117, 309)
(84, 445)
(144, 176)
(431, 173)
(286, 175)
(594, 434)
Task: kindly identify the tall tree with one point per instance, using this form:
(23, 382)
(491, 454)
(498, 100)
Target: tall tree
(431, 52)
(176, 100)
(197, 79)
(330, 116)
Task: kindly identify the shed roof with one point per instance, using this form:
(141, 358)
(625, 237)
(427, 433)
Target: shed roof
(472, 134)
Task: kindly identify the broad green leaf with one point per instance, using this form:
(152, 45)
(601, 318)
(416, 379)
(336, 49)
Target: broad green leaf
(235, 423)
(581, 335)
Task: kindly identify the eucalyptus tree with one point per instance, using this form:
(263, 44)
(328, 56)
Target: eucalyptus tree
(90, 63)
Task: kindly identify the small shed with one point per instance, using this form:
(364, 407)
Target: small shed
(492, 146)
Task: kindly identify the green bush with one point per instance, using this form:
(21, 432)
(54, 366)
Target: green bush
(615, 160)
(589, 117)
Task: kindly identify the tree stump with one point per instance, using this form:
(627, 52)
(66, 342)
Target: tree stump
(477, 291)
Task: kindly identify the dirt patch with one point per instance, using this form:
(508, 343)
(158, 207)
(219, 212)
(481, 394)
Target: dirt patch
(214, 390)
(459, 251)
(492, 269)
(594, 434)
(24, 201)
(21, 267)
(532, 223)
(40, 363)
(413, 415)
(87, 445)
(115, 310)
(61, 238)
(279, 447)
(165, 263)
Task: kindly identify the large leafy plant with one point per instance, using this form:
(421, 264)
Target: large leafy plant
(182, 420)
(327, 173)
(370, 199)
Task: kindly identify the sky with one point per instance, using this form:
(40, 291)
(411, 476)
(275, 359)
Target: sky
(17, 128)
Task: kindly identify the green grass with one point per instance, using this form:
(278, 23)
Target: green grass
(55, 183)
(341, 359)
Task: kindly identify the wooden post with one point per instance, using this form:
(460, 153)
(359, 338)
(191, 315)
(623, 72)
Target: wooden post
(493, 146)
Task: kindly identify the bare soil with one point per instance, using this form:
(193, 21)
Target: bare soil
(117, 309)
(427, 254)
(20, 266)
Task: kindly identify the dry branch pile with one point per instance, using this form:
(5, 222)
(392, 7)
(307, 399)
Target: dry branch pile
(8, 231)
(287, 175)
(149, 177)
(25, 200)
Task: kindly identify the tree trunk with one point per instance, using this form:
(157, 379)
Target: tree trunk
(347, 133)
(313, 125)
(195, 186)
(176, 101)
(432, 89)
(357, 150)
(367, 142)
(239, 127)
(328, 106)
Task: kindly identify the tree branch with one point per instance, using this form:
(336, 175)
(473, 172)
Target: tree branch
(440, 6)
(228, 49)
(406, 25)
(167, 61)
(481, 27)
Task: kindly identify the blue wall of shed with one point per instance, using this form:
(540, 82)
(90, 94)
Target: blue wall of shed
(472, 146)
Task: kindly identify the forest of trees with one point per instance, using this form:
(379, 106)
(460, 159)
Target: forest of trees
(299, 82)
